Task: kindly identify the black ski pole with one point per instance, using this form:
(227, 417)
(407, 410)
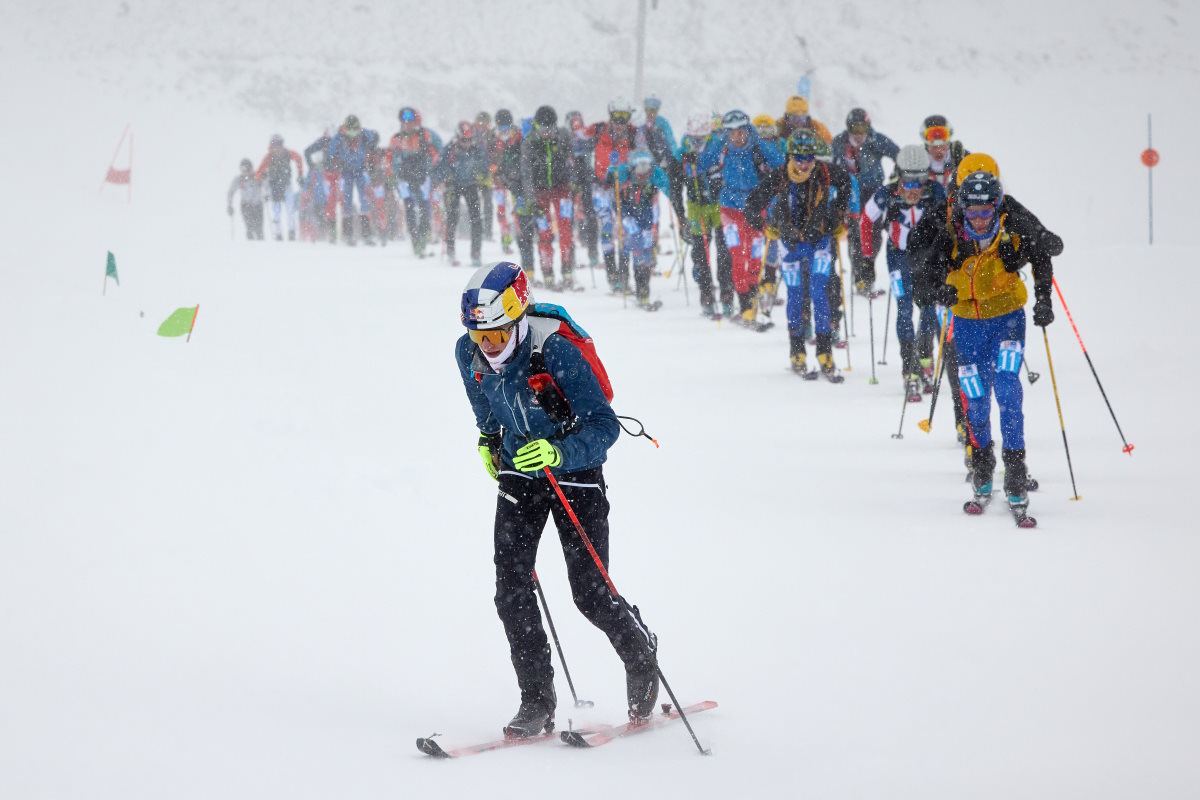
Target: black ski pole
(616, 596)
(899, 434)
(1128, 448)
(871, 321)
(887, 318)
(1061, 425)
(1030, 374)
(554, 635)
(926, 424)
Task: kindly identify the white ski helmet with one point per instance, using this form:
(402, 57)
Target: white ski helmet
(620, 106)
(913, 162)
(699, 124)
(495, 296)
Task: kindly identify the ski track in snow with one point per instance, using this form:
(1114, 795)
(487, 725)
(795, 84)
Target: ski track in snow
(259, 564)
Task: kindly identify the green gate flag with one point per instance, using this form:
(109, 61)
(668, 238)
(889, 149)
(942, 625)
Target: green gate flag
(111, 270)
(180, 322)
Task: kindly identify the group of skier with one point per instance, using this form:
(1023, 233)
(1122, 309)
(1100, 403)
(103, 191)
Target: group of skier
(765, 201)
(770, 200)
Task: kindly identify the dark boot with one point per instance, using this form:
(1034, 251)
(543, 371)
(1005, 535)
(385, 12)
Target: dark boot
(641, 687)
(536, 713)
(797, 354)
(364, 228)
(910, 365)
(348, 231)
(983, 464)
(1016, 476)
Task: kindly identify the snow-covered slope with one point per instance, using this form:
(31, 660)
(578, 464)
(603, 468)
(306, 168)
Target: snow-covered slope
(258, 564)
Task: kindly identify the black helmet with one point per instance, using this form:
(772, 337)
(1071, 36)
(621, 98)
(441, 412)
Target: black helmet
(980, 189)
(857, 118)
(408, 114)
(245, 164)
(545, 117)
(504, 117)
(936, 130)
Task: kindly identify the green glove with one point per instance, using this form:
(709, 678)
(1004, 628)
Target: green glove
(489, 451)
(537, 454)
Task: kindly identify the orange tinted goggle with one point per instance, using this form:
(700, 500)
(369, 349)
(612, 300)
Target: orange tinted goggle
(495, 336)
(938, 134)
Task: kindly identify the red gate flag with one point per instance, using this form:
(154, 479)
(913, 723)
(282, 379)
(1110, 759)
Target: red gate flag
(121, 177)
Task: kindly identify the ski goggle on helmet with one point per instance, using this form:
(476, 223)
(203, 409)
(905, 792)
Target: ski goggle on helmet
(936, 130)
(495, 298)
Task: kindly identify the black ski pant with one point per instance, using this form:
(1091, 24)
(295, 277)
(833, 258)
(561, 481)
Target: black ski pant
(701, 272)
(527, 232)
(589, 227)
(523, 505)
(489, 212)
(252, 215)
(416, 217)
(470, 193)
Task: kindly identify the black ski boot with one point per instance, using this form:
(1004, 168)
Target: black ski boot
(1016, 476)
(536, 713)
(641, 688)
(348, 231)
(797, 355)
(1016, 486)
(983, 464)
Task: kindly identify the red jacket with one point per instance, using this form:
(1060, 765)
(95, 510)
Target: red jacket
(606, 146)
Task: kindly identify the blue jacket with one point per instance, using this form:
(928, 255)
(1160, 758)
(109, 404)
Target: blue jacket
(351, 160)
(668, 135)
(739, 166)
(462, 164)
(505, 402)
(638, 201)
(867, 164)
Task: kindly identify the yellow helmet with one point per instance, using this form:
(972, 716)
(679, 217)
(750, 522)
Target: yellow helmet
(796, 105)
(976, 162)
(762, 120)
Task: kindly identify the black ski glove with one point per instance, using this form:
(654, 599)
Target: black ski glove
(1050, 243)
(945, 295)
(1043, 312)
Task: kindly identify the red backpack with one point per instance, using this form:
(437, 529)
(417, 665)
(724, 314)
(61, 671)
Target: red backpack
(570, 330)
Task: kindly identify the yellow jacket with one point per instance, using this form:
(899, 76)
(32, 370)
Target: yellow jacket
(985, 288)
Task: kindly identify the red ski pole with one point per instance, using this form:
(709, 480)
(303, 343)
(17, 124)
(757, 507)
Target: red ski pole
(616, 595)
(1128, 448)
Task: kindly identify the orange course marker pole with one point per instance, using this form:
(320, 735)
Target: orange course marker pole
(193, 327)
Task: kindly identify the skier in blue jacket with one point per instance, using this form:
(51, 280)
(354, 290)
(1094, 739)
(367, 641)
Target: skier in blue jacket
(349, 150)
(742, 157)
(860, 150)
(520, 438)
(640, 180)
